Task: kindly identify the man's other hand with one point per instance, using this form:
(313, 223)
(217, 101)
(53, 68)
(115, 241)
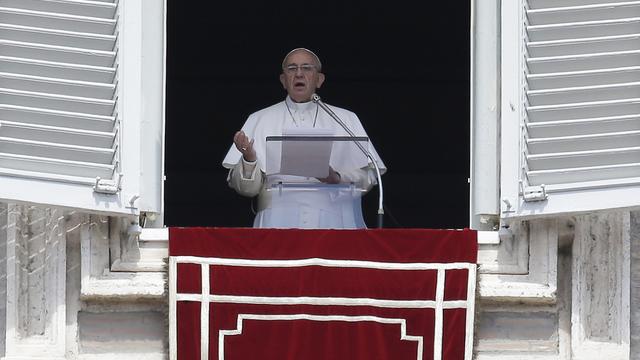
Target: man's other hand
(333, 178)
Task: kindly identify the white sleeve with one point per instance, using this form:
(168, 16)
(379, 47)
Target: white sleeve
(246, 178)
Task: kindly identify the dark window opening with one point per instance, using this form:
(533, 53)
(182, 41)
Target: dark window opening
(402, 67)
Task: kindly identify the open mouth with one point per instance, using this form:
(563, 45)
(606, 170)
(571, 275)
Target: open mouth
(299, 85)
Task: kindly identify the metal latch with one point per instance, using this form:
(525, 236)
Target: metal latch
(108, 186)
(534, 193)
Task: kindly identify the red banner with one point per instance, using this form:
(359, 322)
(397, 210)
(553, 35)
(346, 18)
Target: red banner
(321, 294)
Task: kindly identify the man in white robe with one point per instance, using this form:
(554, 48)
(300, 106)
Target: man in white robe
(329, 206)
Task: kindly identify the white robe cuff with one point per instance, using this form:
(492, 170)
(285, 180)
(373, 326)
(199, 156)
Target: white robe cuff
(362, 178)
(248, 169)
(246, 184)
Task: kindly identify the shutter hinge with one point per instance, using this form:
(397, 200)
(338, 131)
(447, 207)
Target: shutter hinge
(534, 193)
(110, 187)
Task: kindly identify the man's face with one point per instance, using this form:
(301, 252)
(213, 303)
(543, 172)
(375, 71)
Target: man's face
(301, 76)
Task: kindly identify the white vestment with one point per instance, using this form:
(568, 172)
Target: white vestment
(330, 206)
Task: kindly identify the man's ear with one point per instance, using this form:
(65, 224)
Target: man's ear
(320, 80)
(283, 81)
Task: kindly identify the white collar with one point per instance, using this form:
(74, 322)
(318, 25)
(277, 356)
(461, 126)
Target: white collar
(300, 107)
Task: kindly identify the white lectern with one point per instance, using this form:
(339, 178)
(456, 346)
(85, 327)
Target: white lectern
(299, 201)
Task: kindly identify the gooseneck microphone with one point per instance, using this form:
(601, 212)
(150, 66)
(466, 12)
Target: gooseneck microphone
(316, 99)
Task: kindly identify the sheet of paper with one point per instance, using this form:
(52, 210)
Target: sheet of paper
(306, 156)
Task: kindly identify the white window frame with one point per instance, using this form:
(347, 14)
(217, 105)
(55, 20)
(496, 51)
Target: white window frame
(485, 115)
(142, 78)
(146, 37)
(520, 267)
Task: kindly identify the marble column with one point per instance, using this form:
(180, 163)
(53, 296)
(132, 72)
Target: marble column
(635, 284)
(3, 277)
(601, 288)
(36, 262)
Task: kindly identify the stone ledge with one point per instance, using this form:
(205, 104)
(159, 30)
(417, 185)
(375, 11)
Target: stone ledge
(121, 356)
(125, 287)
(519, 356)
(39, 357)
(518, 292)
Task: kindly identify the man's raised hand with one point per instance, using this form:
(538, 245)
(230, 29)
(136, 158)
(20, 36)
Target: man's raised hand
(245, 146)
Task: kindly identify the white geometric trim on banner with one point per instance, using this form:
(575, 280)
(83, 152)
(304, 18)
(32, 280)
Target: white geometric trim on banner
(241, 317)
(206, 298)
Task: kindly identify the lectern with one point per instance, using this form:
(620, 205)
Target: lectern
(296, 198)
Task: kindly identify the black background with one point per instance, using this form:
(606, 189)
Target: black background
(402, 66)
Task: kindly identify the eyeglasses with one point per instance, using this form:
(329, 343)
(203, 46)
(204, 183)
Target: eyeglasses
(305, 68)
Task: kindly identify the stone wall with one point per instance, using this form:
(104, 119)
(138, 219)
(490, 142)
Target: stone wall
(3, 276)
(43, 312)
(107, 327)
(592, 314)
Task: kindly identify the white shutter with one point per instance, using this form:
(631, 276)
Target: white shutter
(570, 106)
(63, 124)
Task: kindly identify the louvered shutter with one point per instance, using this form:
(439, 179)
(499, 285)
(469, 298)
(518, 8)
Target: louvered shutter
(570, 106)
(63, 130)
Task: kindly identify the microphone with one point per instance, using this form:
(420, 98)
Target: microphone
(316, 99)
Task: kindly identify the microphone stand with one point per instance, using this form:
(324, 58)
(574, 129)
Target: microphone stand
(316, 99)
